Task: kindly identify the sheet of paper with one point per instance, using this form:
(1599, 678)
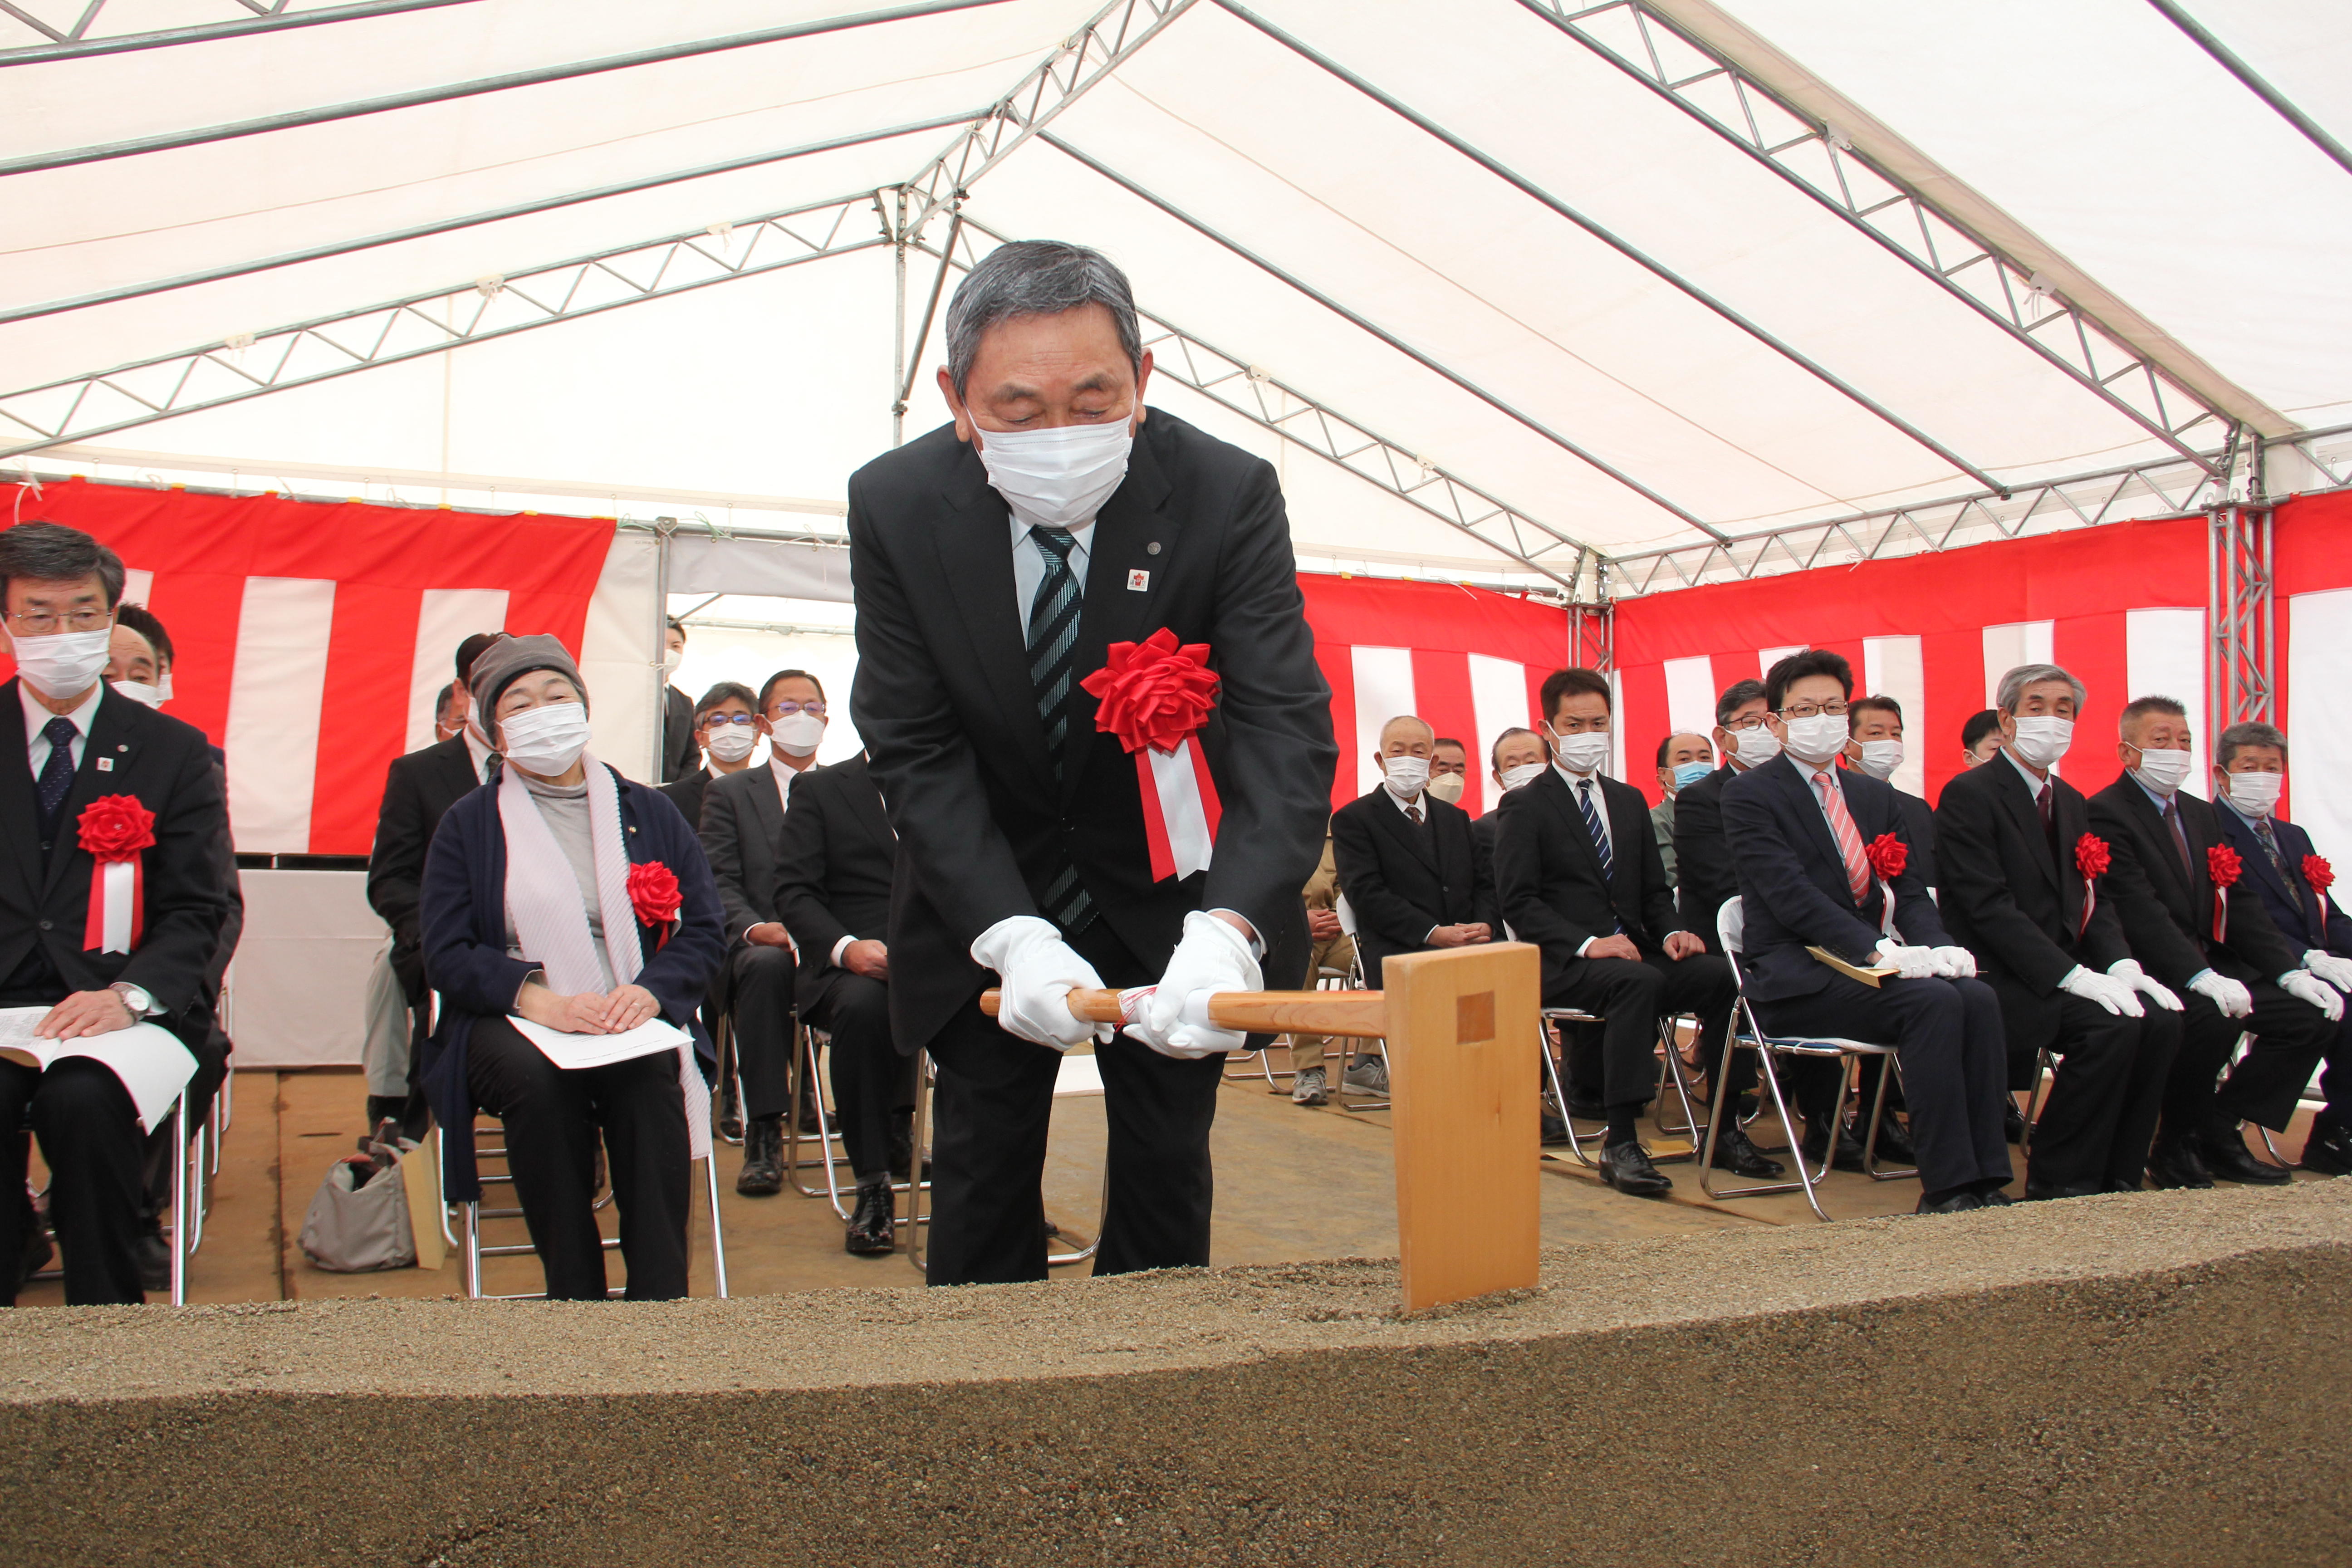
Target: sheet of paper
(151, 1061)
(575, 1051)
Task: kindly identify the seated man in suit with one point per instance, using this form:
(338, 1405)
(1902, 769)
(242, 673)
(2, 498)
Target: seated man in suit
(1705, 877)
(1449, 770)
(1874, 745)
(727, 730)
(2019, 898)
(2206, 936)
(1518, 759)
(1410, 870)
(1799, 827)
(742, 830)
(832, 894)
(1579, 877)
(73, 739)
(2291, 879)
(1683, 759)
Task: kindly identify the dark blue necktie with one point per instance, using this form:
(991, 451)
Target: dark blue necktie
(1053, 654)
(1600, 843)
(57, 772)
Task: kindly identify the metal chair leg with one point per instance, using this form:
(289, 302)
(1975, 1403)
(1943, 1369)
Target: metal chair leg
(1560, 1095)
(1768, 1077)
(180, 1205)
(718, 1231)
(1892, 1069)
(808, 1090)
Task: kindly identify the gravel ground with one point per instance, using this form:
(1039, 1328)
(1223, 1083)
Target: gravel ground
(2153, 1378)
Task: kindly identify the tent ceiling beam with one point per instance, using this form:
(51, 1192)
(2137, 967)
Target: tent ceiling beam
(1614, 241)
(1856, 167)
(496, 307)
(1390, 339)
(327, 114)
(2227, 58)
(473, 220)
(75, 43)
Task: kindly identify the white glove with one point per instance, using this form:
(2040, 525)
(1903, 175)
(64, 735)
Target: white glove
(1036, 970)
(1954, 962)
(2230, 996)
(2128, 971)
(2303, 983)
(1173, 1018)
(2337, 972)
(2108, 991)
(1910, 963)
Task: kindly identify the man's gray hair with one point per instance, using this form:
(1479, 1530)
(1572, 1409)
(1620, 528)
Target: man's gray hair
(52, 552)
(1036, 277)
(2252, 733)
(2013, 685)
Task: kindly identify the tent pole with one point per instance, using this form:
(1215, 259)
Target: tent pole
(899, 378)
(662, 528)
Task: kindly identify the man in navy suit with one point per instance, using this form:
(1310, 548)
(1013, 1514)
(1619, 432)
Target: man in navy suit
(2291, 879)
(1801, 830)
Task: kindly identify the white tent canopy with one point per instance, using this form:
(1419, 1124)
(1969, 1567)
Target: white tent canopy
(1563, 286)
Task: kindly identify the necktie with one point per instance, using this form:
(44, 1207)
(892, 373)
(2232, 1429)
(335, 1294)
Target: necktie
(2046, 802)
(1413, 811)
(2270, 848)
(1849, 838)
(2041, 804)
(1592, 826)
(57, 772)
(1053, 650)
(2179, 838)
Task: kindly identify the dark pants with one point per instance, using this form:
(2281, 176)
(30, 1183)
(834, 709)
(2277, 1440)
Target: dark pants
(2100, 1118)
(552, 1118)
(1947, 1037)
(2336, 1080)
(763, 978)
(2290, 1035)
(88, 1130)
(873, 1083)
(1632, 995)
(994, 1098)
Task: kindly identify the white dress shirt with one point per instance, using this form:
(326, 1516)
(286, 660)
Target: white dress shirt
(1405, 807)
(2033, 787)
(1599, 810)
(478, 751)
(1030, 562)
(36, 719)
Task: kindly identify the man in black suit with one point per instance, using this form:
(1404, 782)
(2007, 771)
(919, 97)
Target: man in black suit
(2292, 879)
(2052, 950)
(1517, 758)
(727, 730)
(678, 748)
(1705, 877)
(2234, 971)
(1874, 745)
(1801, 831)
(74, 740)
(998, 561)
(417, 788)
(834, 893)
(743, 827)
(1581, 876)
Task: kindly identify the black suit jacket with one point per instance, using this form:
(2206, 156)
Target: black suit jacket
(417, 789)
(2308, 917)
(1194, 540)
(2016, 903)
(743, 827)
(1705, 877)
(677, 751)
(45, 891)
(1401, 880)
(1793, 880)
(1919, 830)
(1549, 873)
(685, 794)
(834, 869)
(2166, 910)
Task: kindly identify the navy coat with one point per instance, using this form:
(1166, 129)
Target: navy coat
(464, 918)
(2315, 921)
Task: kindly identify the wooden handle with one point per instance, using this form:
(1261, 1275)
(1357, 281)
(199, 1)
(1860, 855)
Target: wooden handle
(1358, 1015)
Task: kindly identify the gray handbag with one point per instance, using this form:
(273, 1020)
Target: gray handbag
(358, 1223)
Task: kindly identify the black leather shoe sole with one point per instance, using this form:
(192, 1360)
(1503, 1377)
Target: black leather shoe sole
(866, 1244)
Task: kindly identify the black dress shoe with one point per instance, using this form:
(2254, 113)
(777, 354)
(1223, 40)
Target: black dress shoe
(1587, 1109)
(763, 1175)
(871, 1232)
(1994, 1198)
(1627, 1168)
(2328, 1149)
(2012, 1121)
(1848, 1156)
(34, 1255)
(1894, 1143)
(730, 1109)
(2174, 1163)
(1555, 1130)
(2229, 1159)
(2046, 1192)
(1960, 1202)
(1737, 1153)
(2119, 1185)
(154, 1255)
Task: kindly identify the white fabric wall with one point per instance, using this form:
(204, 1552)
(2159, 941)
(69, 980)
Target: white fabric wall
(302, 967)
(2319, 720)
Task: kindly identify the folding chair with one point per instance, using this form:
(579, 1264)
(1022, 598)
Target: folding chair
(1078, 1077)
(189, 1198)
(1550, 1018)
(1730, 926)
(1356, 982)
(808, 1094)
(2310, 1096)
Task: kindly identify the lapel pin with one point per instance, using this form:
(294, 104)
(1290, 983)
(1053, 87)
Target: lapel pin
(1152, 548)
(106, 764)
(123, 748)
(1138, 581)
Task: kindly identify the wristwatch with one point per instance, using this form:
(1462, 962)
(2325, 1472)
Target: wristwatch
(134, 997)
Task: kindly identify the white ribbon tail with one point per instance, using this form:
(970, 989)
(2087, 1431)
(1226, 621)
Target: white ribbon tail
(1178, 785)
(120, 889)
(697, 1103)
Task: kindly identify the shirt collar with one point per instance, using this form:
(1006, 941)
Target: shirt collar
(1084, 533)
(2033, 785)
(36, 718)
(479, 752)
(2226, 803)
(1572, 779)
(1400, 802)
(2163, 802)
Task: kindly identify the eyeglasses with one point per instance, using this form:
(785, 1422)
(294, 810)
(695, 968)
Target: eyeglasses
(1814, 711)
(786, 710)
(713, 721)
(1751, 721)
(40, 624)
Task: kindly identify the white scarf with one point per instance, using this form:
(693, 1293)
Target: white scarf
(551, 928)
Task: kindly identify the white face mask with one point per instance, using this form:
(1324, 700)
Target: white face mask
(2257, 795)
(1815, 739)
(163, 687)
(1583, 752)
(797, 735)
(2162, 771)
(1755, 747)
(1448, 787)
(1058, 478)
(140, 691)
(63, 664)
(1881, 758)
(546, 740)
(1407, 776)
(734, 742)
(1524, 775)
(2041, 739)
(671, 658)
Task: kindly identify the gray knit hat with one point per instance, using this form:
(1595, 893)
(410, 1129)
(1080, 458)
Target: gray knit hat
(508, 660)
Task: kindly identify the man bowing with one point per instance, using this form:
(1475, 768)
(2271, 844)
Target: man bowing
(1056, 773)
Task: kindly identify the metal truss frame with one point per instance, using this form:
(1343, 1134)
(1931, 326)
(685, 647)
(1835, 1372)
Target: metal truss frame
(2253, 82)
(250, 16)
(1820, 160)
(2240, 610)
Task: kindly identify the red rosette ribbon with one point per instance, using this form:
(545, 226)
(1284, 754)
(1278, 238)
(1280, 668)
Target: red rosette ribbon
(653, 893)
(2318, 873)
(1888, 855)
(112, 830)
(2221, 864)
(1154, 696)
(2092, 858)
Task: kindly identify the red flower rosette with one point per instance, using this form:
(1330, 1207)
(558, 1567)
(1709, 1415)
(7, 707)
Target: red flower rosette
(653, 893)
(112, 830)
(1888, 855)
(116, 828)
(2318, 873)
(1154, 696)
(2092, 858)
(2221, 864)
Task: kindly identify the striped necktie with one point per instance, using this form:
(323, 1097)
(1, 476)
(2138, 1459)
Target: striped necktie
(1592, 826)
(1849, 837)
(2278, 862)
(1053, 653)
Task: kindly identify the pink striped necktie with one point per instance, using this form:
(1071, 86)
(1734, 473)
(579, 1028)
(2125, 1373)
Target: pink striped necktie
(1849, 839)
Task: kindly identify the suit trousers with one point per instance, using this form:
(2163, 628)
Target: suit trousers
(88, 1130)
(763, 979)
(1339, 953)
(994, 1100)
(1632, 995)
(2290, 1035)
(553, 1117)
(873, 1083)
(2096, 1125)
(1950, 1044)
(2336, 1078)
